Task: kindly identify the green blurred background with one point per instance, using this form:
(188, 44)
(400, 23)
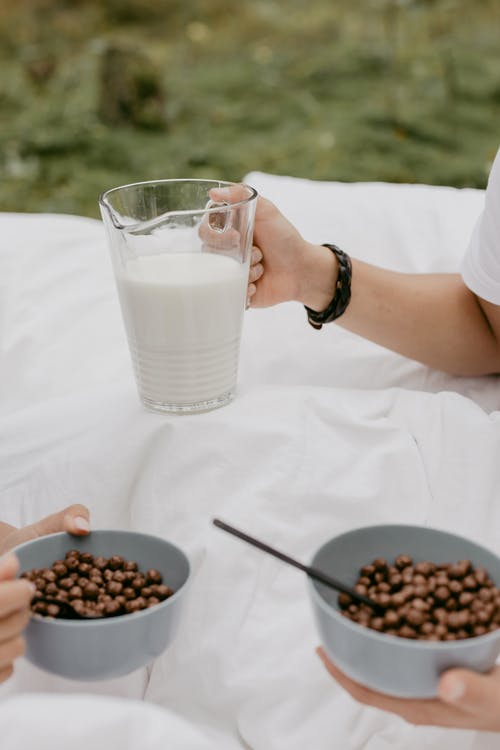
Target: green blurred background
(95, 94)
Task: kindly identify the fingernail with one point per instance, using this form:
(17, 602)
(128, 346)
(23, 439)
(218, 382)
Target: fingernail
(452, 690)
(224, 192)
(81, 523)
(32, 587)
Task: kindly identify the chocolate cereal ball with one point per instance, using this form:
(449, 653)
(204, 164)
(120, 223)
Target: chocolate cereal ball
(422, 600)
(84, 585)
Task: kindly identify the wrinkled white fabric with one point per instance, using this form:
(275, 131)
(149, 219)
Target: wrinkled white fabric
(82, 722)
(328, 432)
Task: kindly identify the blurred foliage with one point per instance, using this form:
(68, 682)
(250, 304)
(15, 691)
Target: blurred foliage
(96, 93)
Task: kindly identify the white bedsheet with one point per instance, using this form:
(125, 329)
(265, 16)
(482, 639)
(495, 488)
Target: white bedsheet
(328, 432)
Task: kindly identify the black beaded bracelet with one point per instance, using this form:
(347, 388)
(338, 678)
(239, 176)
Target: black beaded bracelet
(342, 296)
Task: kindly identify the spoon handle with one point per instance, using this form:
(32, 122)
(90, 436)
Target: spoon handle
(318, 575)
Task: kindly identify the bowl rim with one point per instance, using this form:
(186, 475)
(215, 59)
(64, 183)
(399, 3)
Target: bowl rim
(422, 645)
(108, 621)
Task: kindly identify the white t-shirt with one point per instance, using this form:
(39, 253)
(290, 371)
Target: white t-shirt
(481, 264)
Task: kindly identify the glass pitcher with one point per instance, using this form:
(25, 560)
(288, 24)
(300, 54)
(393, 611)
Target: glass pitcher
(181, 262)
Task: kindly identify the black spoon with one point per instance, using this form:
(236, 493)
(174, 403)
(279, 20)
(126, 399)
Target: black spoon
(318, 575)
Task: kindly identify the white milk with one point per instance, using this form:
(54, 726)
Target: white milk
(183, 315)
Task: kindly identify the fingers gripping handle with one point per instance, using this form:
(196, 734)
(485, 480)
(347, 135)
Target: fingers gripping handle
(219, 221)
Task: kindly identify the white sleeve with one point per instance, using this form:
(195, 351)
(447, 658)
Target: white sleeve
(481, 264)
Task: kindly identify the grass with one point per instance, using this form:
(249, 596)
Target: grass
(396, 90)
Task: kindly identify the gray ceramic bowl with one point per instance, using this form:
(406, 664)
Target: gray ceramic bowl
(112, 647)
(389, 664)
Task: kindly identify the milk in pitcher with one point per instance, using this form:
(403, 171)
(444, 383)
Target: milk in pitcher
(183, 315)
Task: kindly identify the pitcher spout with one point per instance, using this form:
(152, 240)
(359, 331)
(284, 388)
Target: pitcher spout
(130, 219)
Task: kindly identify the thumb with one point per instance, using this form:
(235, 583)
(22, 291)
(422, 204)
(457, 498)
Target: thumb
(231, 194)
(473, 692)
(9, 565)
(74, 519)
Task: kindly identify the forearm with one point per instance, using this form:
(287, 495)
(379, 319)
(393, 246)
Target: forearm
(432, 318)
